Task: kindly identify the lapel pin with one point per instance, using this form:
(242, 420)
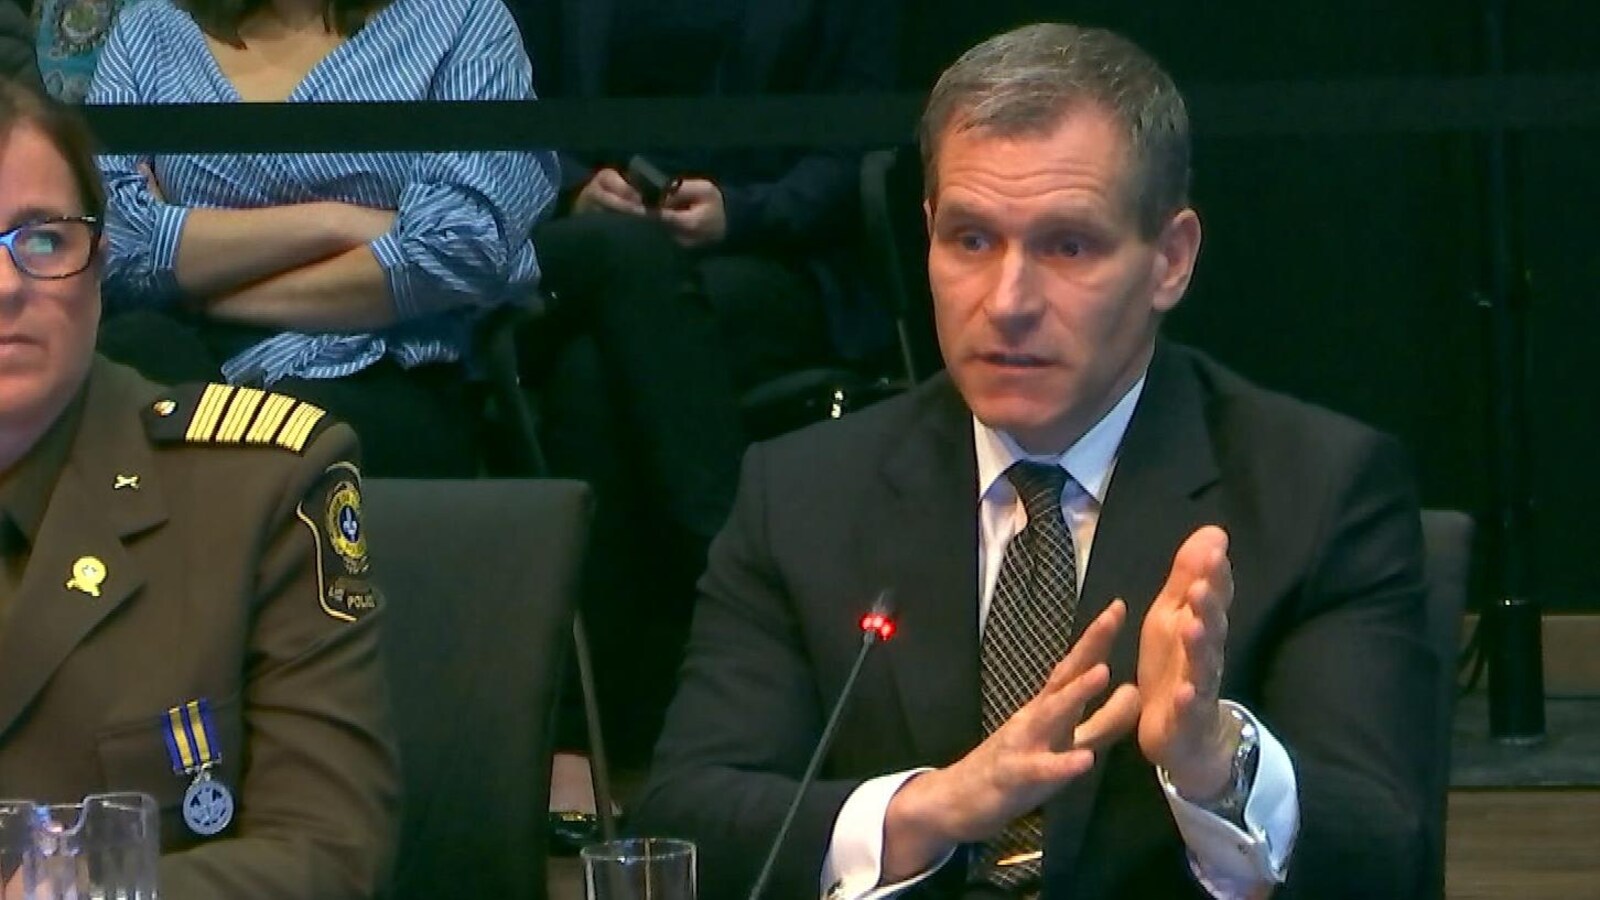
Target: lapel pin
(126, 481)
(87, 575)
(164, 408)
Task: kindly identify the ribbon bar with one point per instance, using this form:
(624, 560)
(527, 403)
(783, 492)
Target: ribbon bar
(191, 736)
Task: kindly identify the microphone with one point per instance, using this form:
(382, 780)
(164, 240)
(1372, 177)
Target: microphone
(877, 626)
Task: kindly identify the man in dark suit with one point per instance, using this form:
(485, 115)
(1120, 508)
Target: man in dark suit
(1078, 504)
(185, 606)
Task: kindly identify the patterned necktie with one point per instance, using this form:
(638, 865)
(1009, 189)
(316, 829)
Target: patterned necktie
(1028, 630)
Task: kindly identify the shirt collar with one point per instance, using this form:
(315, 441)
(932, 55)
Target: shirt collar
(25, 490)
(1089, 461)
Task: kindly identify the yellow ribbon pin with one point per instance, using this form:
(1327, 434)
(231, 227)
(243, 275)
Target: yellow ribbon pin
(87, 575)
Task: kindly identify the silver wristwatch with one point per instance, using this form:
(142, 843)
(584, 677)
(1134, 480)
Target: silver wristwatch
(1242, 774)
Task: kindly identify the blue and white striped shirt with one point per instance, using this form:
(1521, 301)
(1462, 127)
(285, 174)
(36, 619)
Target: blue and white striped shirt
(461, 240)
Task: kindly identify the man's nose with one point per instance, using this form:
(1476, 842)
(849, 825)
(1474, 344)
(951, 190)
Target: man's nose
(1015, 295)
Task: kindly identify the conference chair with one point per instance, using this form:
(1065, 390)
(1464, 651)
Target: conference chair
(479, 580)
(896, 238)
(894, 257)
(1447, 545)
(514, 409)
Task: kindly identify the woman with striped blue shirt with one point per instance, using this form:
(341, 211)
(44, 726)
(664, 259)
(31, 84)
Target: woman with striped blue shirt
(352, 280)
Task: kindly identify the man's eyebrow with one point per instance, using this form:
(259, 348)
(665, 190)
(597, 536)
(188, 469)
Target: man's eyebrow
(955, 209)
(1074, 218)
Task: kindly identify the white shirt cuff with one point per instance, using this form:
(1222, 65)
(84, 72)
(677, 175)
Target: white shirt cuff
(854, 863)
(1234, 863)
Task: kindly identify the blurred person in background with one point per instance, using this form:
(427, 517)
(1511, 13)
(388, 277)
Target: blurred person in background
(352, 280)
(70, 36)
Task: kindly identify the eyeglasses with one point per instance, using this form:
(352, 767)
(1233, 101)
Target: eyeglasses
(53, 248)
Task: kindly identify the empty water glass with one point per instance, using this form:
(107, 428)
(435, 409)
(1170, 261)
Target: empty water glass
(639, 869)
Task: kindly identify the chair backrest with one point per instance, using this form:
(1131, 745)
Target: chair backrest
(1447, 546)
(480, 580)
(897, 240)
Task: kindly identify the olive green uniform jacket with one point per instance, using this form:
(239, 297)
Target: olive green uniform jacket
(201, 543)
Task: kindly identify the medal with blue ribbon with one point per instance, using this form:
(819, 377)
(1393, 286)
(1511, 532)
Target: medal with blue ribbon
(194, 748)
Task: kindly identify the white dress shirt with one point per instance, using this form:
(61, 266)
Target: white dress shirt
(1227, 861)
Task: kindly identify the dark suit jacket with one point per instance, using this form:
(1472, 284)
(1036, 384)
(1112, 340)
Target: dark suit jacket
(1325, 640)
(212, 589)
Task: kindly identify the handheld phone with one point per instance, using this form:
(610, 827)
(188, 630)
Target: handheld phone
(652, 184)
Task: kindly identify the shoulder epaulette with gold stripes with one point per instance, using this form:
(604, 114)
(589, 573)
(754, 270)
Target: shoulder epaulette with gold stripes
(227, 415)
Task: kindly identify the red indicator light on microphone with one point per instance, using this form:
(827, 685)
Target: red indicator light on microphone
(882, 625)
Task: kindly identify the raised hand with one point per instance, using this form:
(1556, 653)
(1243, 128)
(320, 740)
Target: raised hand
(1047, 743)
(1182, 726)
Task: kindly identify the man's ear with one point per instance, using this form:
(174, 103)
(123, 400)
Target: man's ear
(927, 215)
(1177, 249)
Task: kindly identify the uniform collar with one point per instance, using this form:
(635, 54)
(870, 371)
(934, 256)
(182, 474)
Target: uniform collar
(81, 567)
(25, 490)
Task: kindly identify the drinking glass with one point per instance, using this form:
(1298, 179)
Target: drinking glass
(639, 869)
(104, 848)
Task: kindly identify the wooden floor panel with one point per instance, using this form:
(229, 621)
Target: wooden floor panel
(1531, 845)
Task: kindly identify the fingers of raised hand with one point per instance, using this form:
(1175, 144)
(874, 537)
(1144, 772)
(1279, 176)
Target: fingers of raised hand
(1092, 647)
(1221, 576)
(1204, 634)
(1114, 719)
(1035, 752)
(1052, 715)
(1051, 769)
(1196, 560)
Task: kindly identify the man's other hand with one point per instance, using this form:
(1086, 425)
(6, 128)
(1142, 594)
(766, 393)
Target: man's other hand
(1047, 743)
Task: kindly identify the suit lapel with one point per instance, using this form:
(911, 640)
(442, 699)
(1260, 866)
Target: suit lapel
(88, 518)
(920, 537)
(1156, 499)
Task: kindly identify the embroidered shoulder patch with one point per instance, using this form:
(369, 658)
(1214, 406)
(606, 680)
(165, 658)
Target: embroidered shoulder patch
(332, 510)
(226, 415)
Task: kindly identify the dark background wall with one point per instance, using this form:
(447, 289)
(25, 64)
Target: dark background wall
(1347, 269)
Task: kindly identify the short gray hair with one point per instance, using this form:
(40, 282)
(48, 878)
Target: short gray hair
(1025, 82)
